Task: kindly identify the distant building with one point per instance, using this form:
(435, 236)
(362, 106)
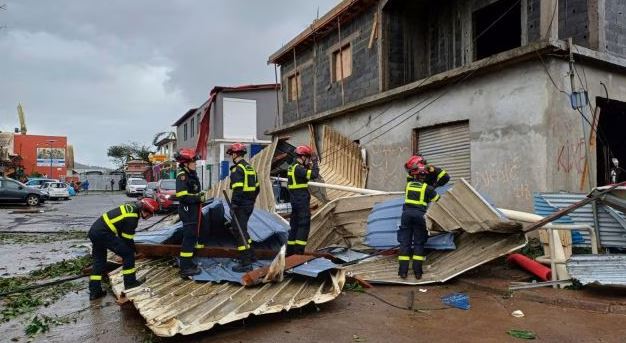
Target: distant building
(136, 168)
(42, 154)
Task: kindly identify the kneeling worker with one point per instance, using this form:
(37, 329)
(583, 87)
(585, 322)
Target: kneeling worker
(412, 234)
(245, 185)
(115, 231)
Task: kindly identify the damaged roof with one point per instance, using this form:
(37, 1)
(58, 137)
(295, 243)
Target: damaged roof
(171, 305)
(606, 270)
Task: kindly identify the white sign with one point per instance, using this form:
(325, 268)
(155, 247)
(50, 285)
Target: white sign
(239, 117)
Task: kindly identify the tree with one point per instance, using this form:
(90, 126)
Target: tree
(120, 154)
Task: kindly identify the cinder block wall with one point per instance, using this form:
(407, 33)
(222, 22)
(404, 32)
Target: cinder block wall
(615, 26)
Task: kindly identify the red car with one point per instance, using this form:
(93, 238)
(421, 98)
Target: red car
(165, 195)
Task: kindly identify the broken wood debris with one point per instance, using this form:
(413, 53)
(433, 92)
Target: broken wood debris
(254, 277)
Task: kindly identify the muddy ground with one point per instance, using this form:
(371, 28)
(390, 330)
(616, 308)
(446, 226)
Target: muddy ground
(353, 317)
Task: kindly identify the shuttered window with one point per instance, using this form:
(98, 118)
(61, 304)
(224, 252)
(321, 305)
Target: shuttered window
(446, 146)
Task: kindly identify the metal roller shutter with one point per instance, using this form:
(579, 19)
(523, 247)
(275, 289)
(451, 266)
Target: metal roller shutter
(447, 146)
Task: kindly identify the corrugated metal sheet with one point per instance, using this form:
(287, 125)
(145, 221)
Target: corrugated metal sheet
(173, 306)
(612, 231)
(262, 162)
(341, 164)
(463, 208)
(382, 228)
(472, 250)
(314, 267)
(608, 270)
(448, 147)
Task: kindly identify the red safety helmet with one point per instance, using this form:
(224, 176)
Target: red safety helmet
(414, 162)
(304, 150)
(237, 148)
(186, 155)
(148, 205)
(419, 171)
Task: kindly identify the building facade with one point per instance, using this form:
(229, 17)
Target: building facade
(45, 155)
(492, 90)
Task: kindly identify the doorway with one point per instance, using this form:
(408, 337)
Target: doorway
(611, 140)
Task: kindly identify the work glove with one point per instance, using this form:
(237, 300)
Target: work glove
(202, 196)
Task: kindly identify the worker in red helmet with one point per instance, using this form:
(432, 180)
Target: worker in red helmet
(115, 231)
(299, 174)
(245, 185)
(412, 234)
(435, 177)
(190, 197)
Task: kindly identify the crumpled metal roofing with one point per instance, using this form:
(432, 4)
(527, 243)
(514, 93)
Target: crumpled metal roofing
(472, 250)
(171, 305)
(612, 230)
(607, 270)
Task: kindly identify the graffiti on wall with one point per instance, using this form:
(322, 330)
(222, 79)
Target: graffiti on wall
(571, 156)
(386, 164)
(503, 178)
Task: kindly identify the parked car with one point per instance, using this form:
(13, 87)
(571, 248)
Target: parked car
(135, 186)
(56, 190)
(37, 182)
(149, 191)
(165, 194)
(12, 191)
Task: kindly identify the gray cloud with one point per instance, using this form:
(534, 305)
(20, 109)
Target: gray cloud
(105, 72)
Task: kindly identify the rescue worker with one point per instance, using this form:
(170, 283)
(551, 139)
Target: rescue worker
(299, 174)
(245, 185)
(412, 234)
(436, 177)
(115, 231)
(189, 210)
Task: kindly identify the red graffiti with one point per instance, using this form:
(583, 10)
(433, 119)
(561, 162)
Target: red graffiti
(571, 156)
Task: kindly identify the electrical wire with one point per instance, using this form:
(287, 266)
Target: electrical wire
(341, 147)
(384, 301)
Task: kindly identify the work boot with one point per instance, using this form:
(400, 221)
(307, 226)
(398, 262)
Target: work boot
(97, 294)
(417, 269)
(132, 284)
(290, 250)
(403, 269)
(189, 272)
(251, 255)
(245, 263)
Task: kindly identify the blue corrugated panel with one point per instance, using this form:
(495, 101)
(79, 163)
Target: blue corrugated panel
(544, 209)
(383, 223)
(314, 267)
(612, 230)
(255, 149)
(220, 269)
(224, 169)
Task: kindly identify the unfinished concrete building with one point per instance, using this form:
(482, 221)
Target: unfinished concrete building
(492, 90)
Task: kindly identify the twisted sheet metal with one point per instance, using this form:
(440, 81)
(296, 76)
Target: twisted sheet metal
(473, 250)
(171, 305)
(607, 270)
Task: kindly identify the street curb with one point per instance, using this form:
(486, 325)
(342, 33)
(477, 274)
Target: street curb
(587, 305)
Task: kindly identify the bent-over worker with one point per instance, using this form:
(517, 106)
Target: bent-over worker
(435, 177)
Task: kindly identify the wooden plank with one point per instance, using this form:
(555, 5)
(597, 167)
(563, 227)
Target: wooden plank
(373, 34)
(254, 277)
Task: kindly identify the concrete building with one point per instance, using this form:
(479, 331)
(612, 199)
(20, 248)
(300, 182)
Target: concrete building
(45, 155)
(483, 88)
(236, 114)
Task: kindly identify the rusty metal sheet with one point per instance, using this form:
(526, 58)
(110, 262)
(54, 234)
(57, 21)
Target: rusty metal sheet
(171, 305)
(473, 250)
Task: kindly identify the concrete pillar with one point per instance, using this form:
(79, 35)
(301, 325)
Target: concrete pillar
(596, 15)
(549, 20)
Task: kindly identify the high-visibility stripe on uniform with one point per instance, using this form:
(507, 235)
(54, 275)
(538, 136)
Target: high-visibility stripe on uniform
(95, 277)
(242, 247)
(441, 174)
(248, 173)
(404, 258)
(128, 271)
(199, 246)
(299, 242)
(186, 254)
(291, 176)
(308, 174)
(418, 258)
(181, 173)
(436, 197)
(421, 190)
(124, 214)
(181, 193)
(291, 242)
(249, 240)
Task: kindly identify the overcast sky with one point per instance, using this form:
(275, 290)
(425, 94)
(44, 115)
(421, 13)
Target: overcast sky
(109, 72)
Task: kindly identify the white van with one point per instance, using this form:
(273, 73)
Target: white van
(135, 186)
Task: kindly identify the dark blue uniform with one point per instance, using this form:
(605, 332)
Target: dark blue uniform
(245, 185)
(412, 234)
(115, 231)
(187, 192)
(436, 177)
(300, 221)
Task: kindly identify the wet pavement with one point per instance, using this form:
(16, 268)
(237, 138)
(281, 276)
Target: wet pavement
(353, 317)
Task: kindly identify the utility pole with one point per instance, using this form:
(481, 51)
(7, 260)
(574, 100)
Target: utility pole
(50, 152)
